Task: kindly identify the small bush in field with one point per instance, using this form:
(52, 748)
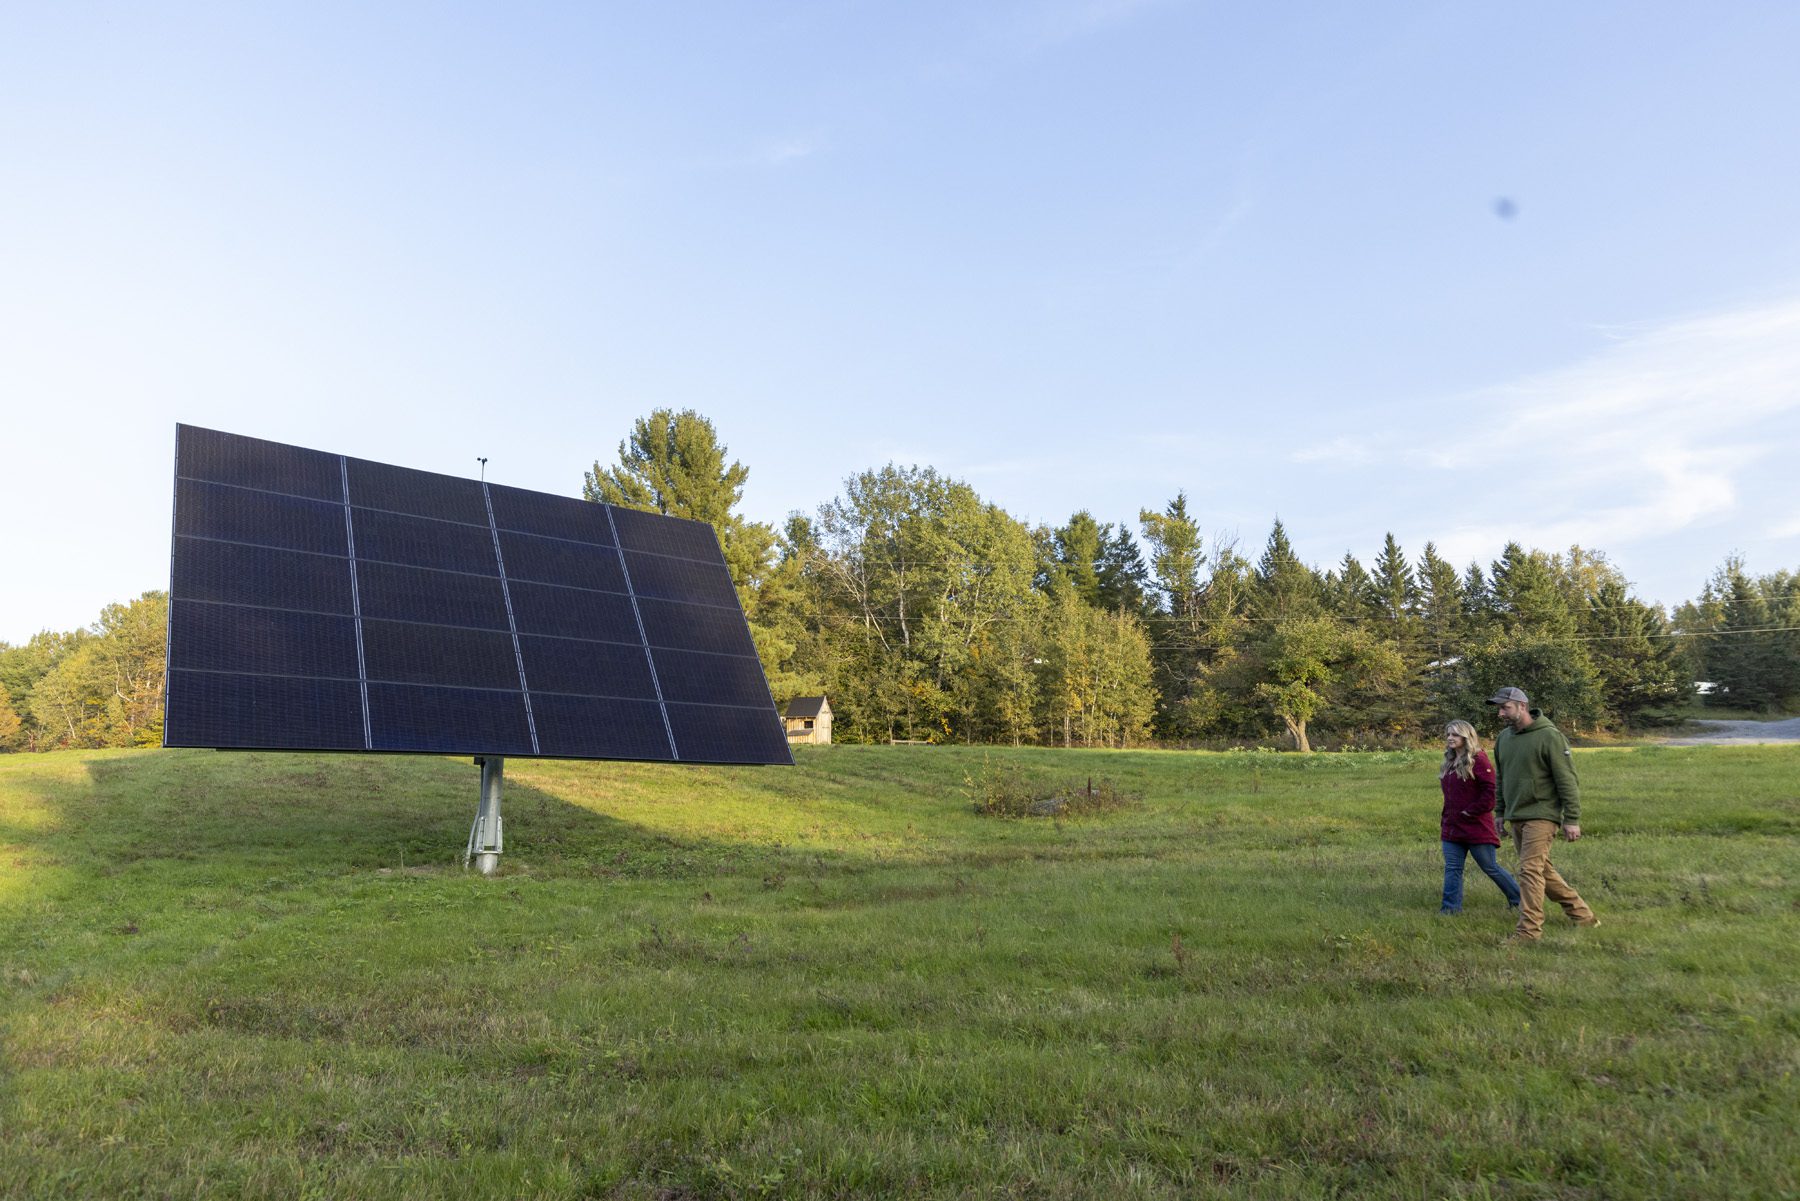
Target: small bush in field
(1006, 791)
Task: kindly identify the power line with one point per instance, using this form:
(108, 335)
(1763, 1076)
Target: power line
(925, 618)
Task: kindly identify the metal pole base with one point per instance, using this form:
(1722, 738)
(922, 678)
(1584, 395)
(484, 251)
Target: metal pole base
(485, 838)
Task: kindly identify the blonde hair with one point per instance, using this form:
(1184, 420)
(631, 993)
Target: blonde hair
(1462, 761)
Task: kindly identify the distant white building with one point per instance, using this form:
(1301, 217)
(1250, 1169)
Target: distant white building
(809, 720)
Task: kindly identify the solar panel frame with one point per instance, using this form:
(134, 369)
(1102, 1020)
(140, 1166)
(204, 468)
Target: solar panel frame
(443, 630)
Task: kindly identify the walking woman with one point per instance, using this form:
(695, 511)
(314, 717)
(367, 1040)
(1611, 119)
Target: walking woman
(1467, 827)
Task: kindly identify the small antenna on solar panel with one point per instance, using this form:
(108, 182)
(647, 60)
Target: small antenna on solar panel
(483, 463)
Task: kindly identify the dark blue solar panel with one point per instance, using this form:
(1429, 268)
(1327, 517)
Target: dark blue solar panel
(587, 668)
(270, 642)
(262, 712)
(256, 575)
(434, 597)
(551, 516)
(411, 717)
(711, 679)
(555, 561)
(230, 514)
(681, 580)
(718, 734)
(420, 493)
(667, 535)
(696, 627)
(404, 653)
(586, 727)
(573, 613)
(408, 630)
(421, 542)
(253, 463)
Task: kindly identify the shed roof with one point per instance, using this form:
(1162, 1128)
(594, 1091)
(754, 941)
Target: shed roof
(807, 706)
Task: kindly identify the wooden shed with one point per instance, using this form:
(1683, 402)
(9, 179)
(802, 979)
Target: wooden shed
(809, 720)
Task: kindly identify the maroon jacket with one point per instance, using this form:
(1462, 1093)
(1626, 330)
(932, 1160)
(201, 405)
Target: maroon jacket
(1469, 805)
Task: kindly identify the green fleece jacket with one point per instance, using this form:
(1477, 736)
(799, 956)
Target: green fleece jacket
(1537, 774)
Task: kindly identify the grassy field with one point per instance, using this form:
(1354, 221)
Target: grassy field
(247, 975)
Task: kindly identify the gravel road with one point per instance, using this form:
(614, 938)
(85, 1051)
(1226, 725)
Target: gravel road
(1739, 732)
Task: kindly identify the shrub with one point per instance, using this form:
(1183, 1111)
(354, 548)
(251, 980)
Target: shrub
(1006, 791)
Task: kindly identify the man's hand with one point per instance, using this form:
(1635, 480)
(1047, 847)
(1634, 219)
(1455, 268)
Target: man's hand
(1571, 832)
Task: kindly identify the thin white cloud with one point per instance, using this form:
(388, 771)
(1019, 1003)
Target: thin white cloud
(1648, 436)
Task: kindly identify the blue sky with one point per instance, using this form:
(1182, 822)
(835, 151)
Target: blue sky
(1469, 273)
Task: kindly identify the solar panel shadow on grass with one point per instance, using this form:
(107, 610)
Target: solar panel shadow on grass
(320, 602)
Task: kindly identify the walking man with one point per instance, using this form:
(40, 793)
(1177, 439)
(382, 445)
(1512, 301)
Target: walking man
(1538, 793)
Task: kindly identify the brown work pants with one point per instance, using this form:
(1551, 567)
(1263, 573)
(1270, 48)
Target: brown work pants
(1537, 879)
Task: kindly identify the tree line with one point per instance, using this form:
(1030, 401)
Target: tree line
(927, 613)
(95, 687)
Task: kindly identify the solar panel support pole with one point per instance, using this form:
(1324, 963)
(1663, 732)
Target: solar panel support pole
(485, 836)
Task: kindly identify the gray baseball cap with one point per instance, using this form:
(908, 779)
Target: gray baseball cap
(1509, 694)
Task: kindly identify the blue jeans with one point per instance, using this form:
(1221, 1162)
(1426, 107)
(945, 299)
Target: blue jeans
(1454, 855)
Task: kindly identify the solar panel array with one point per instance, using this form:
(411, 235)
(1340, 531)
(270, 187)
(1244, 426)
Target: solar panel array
(319, 602)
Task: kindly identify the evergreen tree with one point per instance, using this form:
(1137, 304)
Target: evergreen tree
(1349, 592)
(1103, 564)
(1079, 547)
(1400, 708)
(1441, 615)
(1639, 670)
(1124, 579)
(1477, 600)
(1176, 558)
(1696, 621)
(1285, 587)
(1781, 593)
(1556, 673)
(1396, 590)
(1443, 626)
(1528, 596)
(674, 463)
(1744, 660)
(1535, 644)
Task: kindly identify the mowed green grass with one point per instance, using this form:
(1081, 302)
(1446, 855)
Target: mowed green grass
(253, 975)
